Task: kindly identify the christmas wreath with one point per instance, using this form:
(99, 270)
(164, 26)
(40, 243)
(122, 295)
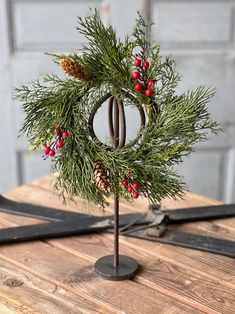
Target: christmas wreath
(58, 112)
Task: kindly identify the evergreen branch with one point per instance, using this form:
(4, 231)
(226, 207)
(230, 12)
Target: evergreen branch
(175, 122)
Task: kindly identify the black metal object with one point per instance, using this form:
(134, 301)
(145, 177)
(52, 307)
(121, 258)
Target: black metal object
(80, 225)
(116, 142)
(182, 215)
(110, 267)
(194, 241)
(121, 114)
(151, 225)
(125, 269)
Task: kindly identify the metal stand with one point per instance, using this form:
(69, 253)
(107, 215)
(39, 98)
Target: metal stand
(116, 267)
(126, 268)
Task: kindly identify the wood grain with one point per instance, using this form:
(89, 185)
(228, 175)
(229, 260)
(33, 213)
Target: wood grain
(78, 275)
(182, 280)
(44, 296)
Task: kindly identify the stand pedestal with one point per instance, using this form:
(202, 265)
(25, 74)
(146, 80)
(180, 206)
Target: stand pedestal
(116, 267)
(125, 269)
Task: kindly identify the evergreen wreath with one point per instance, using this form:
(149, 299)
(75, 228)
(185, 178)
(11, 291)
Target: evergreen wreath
(58, 110)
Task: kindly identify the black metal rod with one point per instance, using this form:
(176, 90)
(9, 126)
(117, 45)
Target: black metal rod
(117, 129)
(116, 231)
(122, 119)
(110, 116)
(116, 200)
(142, 117)
(116, 124)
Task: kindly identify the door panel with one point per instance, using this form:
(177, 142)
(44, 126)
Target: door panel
(199, 36)
(31, 28)
(8, 166)
(39, 25)
(8, 171)
(191, 22)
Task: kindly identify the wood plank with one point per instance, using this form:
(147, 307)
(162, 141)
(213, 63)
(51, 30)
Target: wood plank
(176, 306)
(46, 183)
(75, 274)
(31, 294)
(193, 200)
(212, 228)
(9, 305)
(226, 301)
(160, 272)
(189, 200)
(218, 269)
(226, 223)
(209, 228)
(33, 194)
(189, 197)
(197, 260)
(215, 228)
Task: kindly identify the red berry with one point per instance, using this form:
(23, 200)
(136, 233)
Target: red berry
(130, 190)
(124, 182)
(138, 86)
(59, 144)
(135, 185)
(52, 152)
(65, 134)
(135, 195)
(46, 149)
(136, 75)
(149, 92)
(150, 83)
(146, 64)
(137, 62)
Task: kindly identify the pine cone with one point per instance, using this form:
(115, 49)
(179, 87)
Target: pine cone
(58, 131)
(74, 69)
(129, 173)
(101, 176)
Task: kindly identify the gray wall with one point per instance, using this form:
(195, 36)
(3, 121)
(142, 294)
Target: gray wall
(198, 34)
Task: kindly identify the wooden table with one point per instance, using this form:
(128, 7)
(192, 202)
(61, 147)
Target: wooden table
(57, 276)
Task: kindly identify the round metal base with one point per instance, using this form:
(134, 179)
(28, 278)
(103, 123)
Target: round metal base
(126, 268)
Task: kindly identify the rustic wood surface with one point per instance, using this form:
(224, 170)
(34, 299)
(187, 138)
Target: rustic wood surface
(58, 276)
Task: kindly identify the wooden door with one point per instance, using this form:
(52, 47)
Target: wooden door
(29, 28)
(199, 35)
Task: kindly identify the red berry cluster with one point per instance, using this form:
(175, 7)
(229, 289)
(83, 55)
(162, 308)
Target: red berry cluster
(131, 187)
(140, 75)
(61, 135)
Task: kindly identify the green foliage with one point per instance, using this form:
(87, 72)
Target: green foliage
(175, 122)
